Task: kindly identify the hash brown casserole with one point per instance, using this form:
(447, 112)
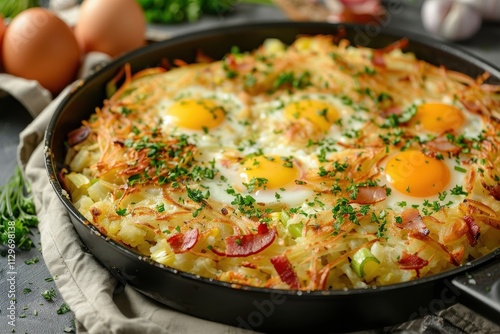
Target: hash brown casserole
(310, 166)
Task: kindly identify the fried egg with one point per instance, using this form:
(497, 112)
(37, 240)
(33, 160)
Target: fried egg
(266, 178)
(210, 117)
(433, 118)
(296, 120)
(419, 180)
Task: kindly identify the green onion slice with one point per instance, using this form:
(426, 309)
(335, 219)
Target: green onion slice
(364, 263)
(295, 229)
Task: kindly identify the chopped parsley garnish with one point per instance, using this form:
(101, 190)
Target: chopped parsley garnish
(133, 179)
(346, 100)
(121, 212)
(256, 183)
(230, 73)
(370, 70)
(394, 120)
(197, 195)
(343, 210)
(246, 204)
(49, 295)
(290, 79)
(63, 309)
(287, 162)
(458, 190)
(17, 210)
(381, 220)
(197, 211)
(160, 207)
(31, 261)
(250, 80)
(442, 195)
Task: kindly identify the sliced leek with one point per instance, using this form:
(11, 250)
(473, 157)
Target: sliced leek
(364, 263)
(295, 229)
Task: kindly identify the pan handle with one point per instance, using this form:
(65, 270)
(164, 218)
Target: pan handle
(480, 289)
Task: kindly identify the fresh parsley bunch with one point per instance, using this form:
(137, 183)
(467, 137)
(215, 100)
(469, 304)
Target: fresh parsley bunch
(10, 8)
(175, 11)
(17, 209)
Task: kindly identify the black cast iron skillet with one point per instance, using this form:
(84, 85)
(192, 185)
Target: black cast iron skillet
(476, 284)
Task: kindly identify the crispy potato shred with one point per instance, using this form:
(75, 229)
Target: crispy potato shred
(151, 173)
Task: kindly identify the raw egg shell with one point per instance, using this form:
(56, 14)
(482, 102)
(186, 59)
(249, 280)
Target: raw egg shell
(40, 46)
(111, 26)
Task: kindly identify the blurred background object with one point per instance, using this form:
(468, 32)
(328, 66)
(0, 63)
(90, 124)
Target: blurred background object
(10, 8)
(177, 11)
(451, 19)
(112, 26)
(353, 11)
(62, 4)
(183, 10)
(304, 10)
(458, 20)
(38, 45)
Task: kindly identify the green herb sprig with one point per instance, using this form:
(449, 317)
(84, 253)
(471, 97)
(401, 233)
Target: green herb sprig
(17, 211)
(176, 11)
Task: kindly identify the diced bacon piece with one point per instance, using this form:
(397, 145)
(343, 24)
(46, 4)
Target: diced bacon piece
(370, 195)
(399, 44)
(378, 58)
(442, 145)
(78, 135)
(412, 221)
(473, 231)
(378, 55)
(182, 242)
(392, 110)
(285, 271)
(245, 245)
(493, 190)
(202, 57)
(412, 262)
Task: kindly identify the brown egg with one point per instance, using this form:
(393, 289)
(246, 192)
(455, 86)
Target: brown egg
(112, 26)
(3, 27)
(40, 46)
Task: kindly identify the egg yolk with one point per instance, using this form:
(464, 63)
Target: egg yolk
(196, 114)
(268, 172)
(438, 117)
(319, 113)
(415, 174)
